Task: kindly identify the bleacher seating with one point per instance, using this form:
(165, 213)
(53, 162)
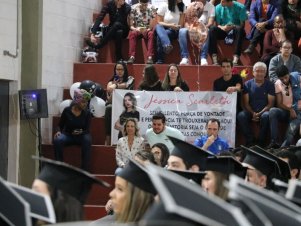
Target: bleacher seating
(199, 78)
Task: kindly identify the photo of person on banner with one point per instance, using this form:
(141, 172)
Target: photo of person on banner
(187, 112)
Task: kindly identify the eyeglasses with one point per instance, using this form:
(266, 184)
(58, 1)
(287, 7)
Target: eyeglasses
(287, 93)
(119, 69)
(286, 47)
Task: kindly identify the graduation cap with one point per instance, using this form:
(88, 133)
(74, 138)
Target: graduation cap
(226, 165)
(190, 154)
(197, 177)
(40, 205)
(284, 171)
(275, 207)
(258, 161)
(68, 178)
(14, 210)
(137, 175)
(293, 192)
(189, 202)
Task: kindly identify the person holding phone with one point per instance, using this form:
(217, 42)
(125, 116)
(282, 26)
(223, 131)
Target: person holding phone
(74, 128)
(119, 80)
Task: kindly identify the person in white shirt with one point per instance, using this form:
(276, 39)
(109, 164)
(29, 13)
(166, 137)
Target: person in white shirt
(159, 132)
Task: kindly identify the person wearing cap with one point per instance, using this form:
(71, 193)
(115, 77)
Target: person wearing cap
(159, 132)
(288, 99)
(74, 128)
(258, 98)
(261, 168)
(133, 193)
(186, 156)
(212, 142)
(67, 186)
(218, 170)
(292, 160)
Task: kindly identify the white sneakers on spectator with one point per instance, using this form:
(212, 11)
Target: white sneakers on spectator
(184, 61)
(204, 62)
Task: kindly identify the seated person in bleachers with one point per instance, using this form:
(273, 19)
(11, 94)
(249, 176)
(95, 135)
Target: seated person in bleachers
(119, 80)
(229, 82)
(173, 80)
(261, 19)
(230, 19)
(130, 111)
(207, 18)
(285, 57)
(287, 89)
(212, 142)
(258, 98)
(159, 132)
(129, 144)
(170, 17)
(291, 10)
(274, 38)
(118, 12)
(151, 81)
(74, 128)
(141, 25)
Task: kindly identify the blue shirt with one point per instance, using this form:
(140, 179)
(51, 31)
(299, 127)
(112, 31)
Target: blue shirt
(216, 147)
(258, 95)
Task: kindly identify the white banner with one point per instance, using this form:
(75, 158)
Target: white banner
(185, 111)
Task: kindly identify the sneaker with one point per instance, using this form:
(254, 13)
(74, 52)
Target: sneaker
(184, 61)
(250, 49)
(204, 62)
(167, 49)
(131, 60)
(235, 60)
(149, 60)
(214, 59)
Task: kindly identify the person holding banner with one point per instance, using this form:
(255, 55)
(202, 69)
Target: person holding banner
(120, 80)
(173, 80)
(212, 142)
(159, 132)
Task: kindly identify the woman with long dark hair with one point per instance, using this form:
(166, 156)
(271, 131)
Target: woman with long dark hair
(119, 80)
(173, 80)
(151, 81)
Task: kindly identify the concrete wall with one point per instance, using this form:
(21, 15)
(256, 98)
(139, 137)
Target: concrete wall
(10, 67)
(65, 24)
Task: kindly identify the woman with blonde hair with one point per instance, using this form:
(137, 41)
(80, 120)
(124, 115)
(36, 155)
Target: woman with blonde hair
(129, 144)
(173, 80)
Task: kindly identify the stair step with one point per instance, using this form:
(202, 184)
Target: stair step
(97, 129)
(103, 157)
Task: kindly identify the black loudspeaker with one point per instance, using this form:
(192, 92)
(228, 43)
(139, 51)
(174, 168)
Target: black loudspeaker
(33, 104)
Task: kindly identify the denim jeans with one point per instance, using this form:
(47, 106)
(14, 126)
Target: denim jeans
(244, 118)
(66, 140)
(183, 35)
(164, 36)
(276, 115)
